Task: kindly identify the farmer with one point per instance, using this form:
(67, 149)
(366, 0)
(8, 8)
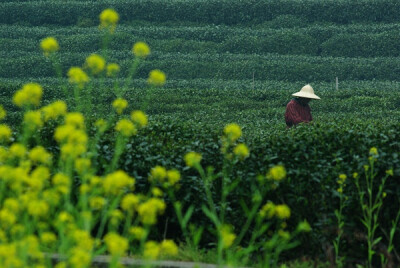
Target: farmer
(298, 110)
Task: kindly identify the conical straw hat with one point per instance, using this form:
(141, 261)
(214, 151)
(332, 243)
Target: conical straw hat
(306, 92)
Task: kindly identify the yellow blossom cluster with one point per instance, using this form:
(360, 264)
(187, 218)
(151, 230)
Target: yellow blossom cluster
(77, 77)
(33, 120)
(5, 133)
(192, 159)
(152, 249)
(109, 19)
(126, 127)
(29, 95)
(139, 118)
(112, 69)
(341, 181)
(39, 155)
(119, 105)
(116, 244)
(163, 176)
(141, 50)
(227, 236)
(270, 210)
(54, 110)
(116, 182)
(276, 173)
(149, 210)
(156, 78)
(49, 45)
(72, 136)
(95, 63)
(3, 112)
(232, 132)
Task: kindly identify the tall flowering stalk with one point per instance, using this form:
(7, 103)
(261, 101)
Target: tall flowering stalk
(340, 218)
(371, 201)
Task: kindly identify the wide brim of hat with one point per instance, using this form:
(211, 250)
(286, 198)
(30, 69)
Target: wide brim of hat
(306, 95)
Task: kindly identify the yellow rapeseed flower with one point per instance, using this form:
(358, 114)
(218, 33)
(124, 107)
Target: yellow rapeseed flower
(82, 165)
(63, 132)
(75, 119)
(95, 63)
(157, 192)
(116, 216)
(115, 182)
(304, 226)
(139, 118)
(268, 210)
(5, 133)
(78, 77)
(72, 151)
(126, 128)
(168, 247)
(151, 250)
(241, 151)
(148, 210)
(40, 155)
(173, 176)
(158, 173)
(97, 202)
(48, 238)
(12, 204)
(54, 110)
(7, 218)
(116, 244)
(282, 211)
(79, 258)
(129, 202)
(192, 159)
(109, 19)
(156, 78)
(3, 112)
(62, 183)
(141, 50)
(232, 132)
(49, 45)
(30, 94)
(17, 150)
(373, 151)
(342, 179)
(33, 120)
(137, 232)
(83, 239)
(119, 105)
(38, 208)
(276, 173)
(227, 236)
(101, 125)
(112, 69)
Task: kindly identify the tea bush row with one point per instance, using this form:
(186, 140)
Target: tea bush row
(348, 42)
(314, 156)
(217, 12)
(220, 66)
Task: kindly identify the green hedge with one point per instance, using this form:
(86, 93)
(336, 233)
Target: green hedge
(324, 41)
(314, 156)
(218, 66)
(217, 11)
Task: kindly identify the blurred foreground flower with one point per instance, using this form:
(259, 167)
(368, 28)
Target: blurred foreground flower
(156, 78)
(49, 45)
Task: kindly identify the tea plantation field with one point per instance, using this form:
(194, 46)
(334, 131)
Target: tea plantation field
(236, 62)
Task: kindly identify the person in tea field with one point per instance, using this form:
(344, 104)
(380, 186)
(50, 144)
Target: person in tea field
(297, 110)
